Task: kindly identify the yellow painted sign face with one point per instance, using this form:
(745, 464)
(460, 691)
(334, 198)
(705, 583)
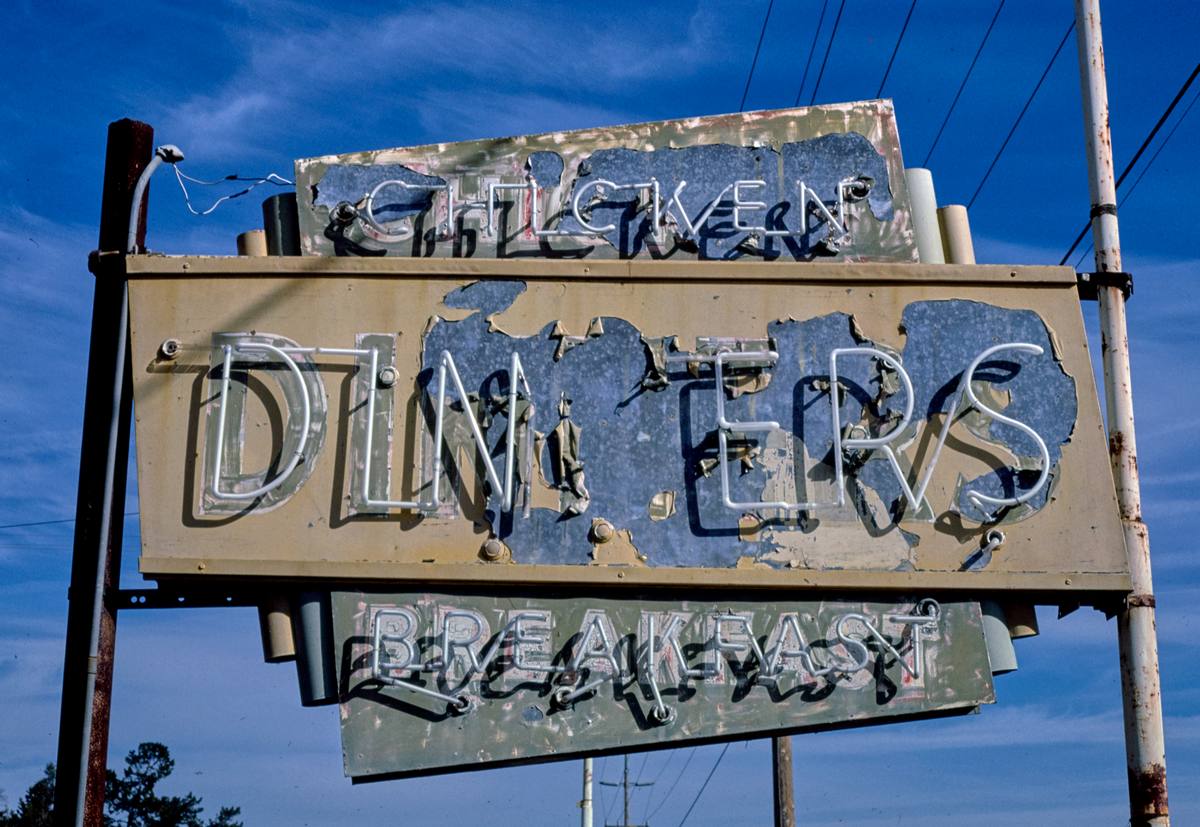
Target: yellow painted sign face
(656, 423)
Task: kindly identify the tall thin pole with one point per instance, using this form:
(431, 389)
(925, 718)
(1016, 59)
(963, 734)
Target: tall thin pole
(781, 764)
(1140, 685)
(104, 458)
(625, 784)
(585, 819)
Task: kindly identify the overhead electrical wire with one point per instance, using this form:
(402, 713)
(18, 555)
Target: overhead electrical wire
(812, 50)
(757, 49)
(1145, 143)
(600, 777)
(703, 786)
(828, 48)
(896, 49)
(278, 180)
(663, 768)
(641, 769)
(53, 522)
(671, 789)
(1166, 140)
(963, 85)
(1021, 115)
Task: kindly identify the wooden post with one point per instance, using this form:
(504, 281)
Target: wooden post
(103, 462)
(781, 763)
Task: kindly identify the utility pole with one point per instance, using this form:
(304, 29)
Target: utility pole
(626, 783)
(586, 803)
(1145, 752)
(781, 764)
(104, 459)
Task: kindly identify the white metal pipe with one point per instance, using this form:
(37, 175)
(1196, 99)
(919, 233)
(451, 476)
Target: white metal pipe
(252, 243)
(956, 234)
(167, 153)
(586, 804)
(1001, 654)
(1140, 683)
(924, 215)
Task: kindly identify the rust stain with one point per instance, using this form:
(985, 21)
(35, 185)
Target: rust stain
(1116, 443)
(1148, 795)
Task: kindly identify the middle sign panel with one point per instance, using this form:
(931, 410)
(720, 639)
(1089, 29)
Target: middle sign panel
(617, 423)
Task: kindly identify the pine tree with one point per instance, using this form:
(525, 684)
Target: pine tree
(129, 799)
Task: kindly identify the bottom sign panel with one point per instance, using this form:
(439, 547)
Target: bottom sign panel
(441, 682)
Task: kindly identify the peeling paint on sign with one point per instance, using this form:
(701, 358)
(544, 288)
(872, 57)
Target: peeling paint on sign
(798, 184)
(609, 421)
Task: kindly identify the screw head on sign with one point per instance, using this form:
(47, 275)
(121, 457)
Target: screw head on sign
(603, 531)
(387, 376)
(344, 213)
(169, 349)
(662, 715)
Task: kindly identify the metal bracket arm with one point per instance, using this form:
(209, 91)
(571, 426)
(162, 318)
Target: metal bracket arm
(1090, 283)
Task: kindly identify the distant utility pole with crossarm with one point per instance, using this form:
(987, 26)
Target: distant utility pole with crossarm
(626, 783)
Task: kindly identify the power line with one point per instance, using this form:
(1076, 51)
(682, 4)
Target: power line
(642, 768)
(671, 789)
(600, 777)
(812, 49)
(828, 48)
(1024, 109)
(899, 40)
(757, 49)
(1150, 137)
(1149, 164)
(963, 85)
(667, 763)
(704, 785)
(54, 522)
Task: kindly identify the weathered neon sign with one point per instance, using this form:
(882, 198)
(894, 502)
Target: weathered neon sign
(736, 199)
(461, 650)
(301, 388)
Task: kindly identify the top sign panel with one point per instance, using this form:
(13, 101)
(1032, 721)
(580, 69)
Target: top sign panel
(816, 183)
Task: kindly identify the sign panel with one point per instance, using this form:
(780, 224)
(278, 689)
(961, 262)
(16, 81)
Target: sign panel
(794, 185)
(846, 426)
(433, 682)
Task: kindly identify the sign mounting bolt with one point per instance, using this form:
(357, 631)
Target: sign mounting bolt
(387, 376)
(169, 348)
(493, 549)
(603, 531)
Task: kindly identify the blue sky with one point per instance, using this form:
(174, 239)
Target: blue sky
(247, 87)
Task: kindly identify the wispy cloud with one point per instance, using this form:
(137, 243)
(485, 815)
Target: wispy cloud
(481, 69)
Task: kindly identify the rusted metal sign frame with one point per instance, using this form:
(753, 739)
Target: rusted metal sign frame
(166, 289)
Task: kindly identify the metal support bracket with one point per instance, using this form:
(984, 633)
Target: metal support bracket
(1090, 283)
(167, 598)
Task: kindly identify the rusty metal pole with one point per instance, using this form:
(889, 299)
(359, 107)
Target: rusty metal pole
(103, 462)
(781, 763)
(1145, 751)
